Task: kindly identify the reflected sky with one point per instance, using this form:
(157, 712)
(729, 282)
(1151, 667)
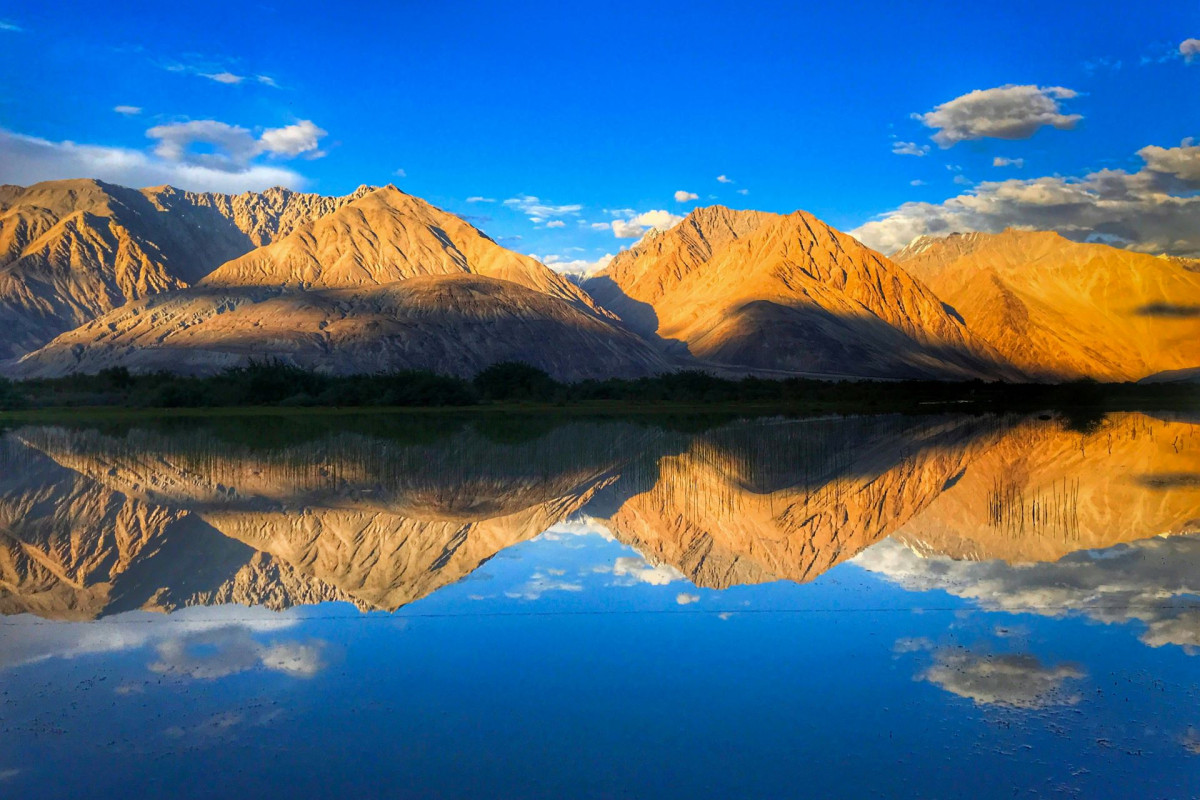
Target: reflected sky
(936, 606)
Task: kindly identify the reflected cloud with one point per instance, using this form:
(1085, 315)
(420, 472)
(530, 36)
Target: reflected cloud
(1015, 680)
(685, 598)
(539, 584)
(220, 652)
(628, 570)
(1154, 581)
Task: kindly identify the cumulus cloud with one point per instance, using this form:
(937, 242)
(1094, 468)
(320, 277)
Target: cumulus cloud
(540, 584)
(211, 654)
(1001, 161)
(629, 570)
(724, 179)
(1016, 680)
(1189, 49)
(687, 598)
(1154, 210)
(538, 211)
(230, 148)
(683, 197)
(636, 227)
(129, 111)
(556, 223)
(303, 137)
(910, 149)
(28, 159)
(1005, 112)
(1152, 582)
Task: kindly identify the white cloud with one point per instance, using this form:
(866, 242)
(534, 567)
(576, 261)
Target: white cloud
(685, 598)
(266, 80)
(637, 570)
(1001, 161)
(743, 191)
(910, 149)
(478, 199)
(724, 179)
(232, 145)
(292, 140)
(599, 226)
(1154, 210)
(537, 211)
(129, 111)
(206, 655)
(1189, 49)
(682, 196)
(400, 173)
(576, 266)
(917, 182)
(28, 159)
(539, 584)
(1005, 112)
(1151, 582)
(223, 77)
(1016, 680)
(13, 27)
(556, 223)
(637, 226)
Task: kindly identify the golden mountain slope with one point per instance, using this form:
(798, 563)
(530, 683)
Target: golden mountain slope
(345, 518)
(72, 250)
(386, 282)
(384, 237)
(450, 324)
(1063, 310)
(785, 293)
(1041, 491)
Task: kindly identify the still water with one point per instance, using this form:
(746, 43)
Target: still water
(936, 606)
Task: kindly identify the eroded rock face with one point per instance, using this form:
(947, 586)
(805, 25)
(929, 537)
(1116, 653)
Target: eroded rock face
(96, 523)
(787, 293)
(386, 283)
(168, 522)
(1064, 310)
(73, 250)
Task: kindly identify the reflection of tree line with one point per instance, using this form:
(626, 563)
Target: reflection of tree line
(1011, 509)
(381, 523)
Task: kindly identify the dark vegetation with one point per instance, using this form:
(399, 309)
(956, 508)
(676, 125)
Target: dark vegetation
(278, 385)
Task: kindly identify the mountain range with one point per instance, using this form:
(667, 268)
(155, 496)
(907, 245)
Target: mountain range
(94, 522)
(94, 275)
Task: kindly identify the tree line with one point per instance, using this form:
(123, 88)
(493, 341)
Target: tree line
(281, 385)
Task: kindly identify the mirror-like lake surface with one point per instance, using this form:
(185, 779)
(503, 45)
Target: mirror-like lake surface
(937, 606)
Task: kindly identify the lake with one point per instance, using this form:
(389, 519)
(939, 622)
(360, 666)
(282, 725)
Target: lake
(422, 605)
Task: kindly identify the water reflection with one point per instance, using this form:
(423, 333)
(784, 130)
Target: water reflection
(1009, 565)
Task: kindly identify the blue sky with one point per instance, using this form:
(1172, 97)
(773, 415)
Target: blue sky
(604, 112)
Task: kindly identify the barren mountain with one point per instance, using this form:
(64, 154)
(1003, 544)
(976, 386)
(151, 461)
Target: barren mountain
(1063, 310)
(387, 282)
(72, 250)
(738, 507)
(1041, 491)
(785, 293)
(105, 524)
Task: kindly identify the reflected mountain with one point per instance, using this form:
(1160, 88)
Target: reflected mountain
(95, 522)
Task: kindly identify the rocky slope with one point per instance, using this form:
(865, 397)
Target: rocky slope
(1041, 492)
(72, 250)
(386, 282)
(786, 293)
(170, 521)
(1064, 310)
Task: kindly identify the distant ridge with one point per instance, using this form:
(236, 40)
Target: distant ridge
(1061, 309)
(786, 292)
